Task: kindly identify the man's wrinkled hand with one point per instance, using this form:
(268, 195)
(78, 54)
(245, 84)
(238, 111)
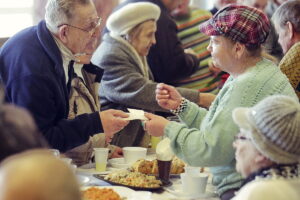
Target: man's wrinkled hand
(112, 122)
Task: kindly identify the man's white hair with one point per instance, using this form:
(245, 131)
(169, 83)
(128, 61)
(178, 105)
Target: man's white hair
(60, 12)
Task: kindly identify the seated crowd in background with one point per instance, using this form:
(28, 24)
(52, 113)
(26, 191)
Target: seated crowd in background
(188, 20)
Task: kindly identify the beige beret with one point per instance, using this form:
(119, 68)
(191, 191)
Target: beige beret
(123, 20)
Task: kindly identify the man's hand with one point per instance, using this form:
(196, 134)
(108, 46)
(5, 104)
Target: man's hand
(118, 153)
(167, 96)
(155, 125)
(112, 122)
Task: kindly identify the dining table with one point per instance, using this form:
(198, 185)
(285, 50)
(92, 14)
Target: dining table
(86, 177)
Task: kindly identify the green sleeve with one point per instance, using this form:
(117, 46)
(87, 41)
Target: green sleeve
(203, 140)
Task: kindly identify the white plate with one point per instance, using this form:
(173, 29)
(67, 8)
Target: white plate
(177, 191)
(90, 168)
(118, 163)
(82, 179)
(126, 192)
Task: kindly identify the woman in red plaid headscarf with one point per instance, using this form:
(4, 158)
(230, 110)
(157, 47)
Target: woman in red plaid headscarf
(205, 138)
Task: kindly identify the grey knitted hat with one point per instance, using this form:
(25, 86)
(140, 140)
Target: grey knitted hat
(274, 127)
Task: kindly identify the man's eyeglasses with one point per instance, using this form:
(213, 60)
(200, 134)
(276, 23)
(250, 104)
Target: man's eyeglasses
(92, 28)
(241, 137)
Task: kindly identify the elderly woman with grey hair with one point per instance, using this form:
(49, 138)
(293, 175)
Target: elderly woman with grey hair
(127, 80)
(268, 149)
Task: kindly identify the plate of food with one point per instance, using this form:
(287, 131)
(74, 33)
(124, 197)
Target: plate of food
(133, 180)
(106, 192)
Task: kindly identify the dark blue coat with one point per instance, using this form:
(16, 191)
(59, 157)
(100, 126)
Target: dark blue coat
(32, 72)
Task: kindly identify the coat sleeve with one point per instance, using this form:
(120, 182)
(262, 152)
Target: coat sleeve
(166, 58)
(40, 96)
(122, 83)
(199, 142)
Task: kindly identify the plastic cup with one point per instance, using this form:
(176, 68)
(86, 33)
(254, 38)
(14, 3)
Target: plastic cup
(101, 155)
(155, 141)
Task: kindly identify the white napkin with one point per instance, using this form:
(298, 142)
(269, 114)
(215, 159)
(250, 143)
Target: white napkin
(135, 114)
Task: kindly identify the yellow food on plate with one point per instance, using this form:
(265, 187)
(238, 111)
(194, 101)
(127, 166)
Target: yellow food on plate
(143, 166)
(94, 193)
(151, 167)
(177, 166)
(135, 179)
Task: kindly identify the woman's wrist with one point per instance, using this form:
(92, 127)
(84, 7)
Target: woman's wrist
(181, 107)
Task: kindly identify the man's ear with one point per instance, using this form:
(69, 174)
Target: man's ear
(62, 34)
(290, 30)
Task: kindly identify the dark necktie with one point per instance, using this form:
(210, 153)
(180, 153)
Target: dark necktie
(71, 74)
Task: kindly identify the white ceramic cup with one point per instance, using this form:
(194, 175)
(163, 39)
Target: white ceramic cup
(132, 154)
(101, 155)
(194, 184)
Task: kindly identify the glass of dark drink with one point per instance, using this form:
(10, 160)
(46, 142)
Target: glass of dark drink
(164, 168)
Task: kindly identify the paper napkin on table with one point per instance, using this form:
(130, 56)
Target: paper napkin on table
(135, 114)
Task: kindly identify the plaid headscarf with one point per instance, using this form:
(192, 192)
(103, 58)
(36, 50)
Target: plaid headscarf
(243, 24)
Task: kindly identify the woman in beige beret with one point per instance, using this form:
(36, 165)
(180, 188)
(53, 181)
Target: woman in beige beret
(127, 81)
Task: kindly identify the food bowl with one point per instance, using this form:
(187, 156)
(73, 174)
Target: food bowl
(118, 163)
(132, 154)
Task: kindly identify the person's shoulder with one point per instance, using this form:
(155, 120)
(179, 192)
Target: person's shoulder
(268, 189)
(294, 50)
(20, 40)
(110, 46)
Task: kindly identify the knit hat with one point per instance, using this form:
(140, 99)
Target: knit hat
(243, 24)
(274, 127)
(123, 20)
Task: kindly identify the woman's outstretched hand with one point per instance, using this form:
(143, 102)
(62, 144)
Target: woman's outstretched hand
(155, 125)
